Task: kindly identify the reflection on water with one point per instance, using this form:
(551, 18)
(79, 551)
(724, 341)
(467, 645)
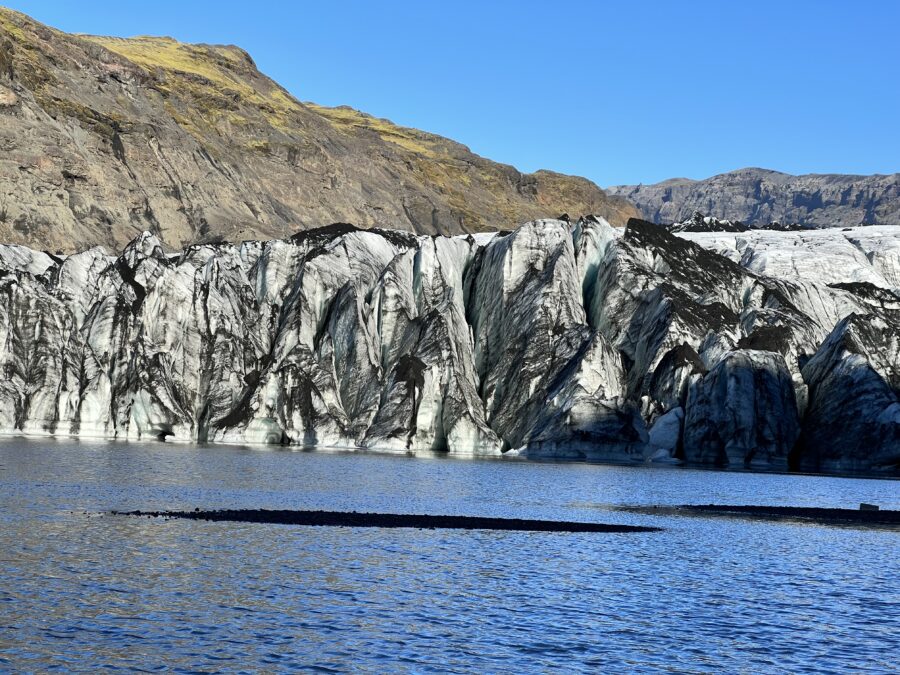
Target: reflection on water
(86, 591)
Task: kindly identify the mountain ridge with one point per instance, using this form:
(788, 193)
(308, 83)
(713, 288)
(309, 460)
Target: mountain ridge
(105, 137)
(758, 196)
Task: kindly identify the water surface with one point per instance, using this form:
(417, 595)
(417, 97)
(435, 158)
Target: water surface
(88, 591)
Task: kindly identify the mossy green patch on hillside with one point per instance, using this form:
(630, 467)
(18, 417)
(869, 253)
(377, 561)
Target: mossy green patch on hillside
(11, 23)
(216, 80)
(169, 54)
(409, 139)
(22, 51)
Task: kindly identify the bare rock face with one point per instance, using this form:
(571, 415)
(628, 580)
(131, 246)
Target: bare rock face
(104, 138)
(575, 340)
(760, 196)
(7, 97)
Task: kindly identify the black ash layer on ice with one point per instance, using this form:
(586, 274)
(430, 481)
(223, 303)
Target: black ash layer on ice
(578, 340)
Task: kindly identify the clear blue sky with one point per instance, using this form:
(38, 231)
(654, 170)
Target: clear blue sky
(620, 92)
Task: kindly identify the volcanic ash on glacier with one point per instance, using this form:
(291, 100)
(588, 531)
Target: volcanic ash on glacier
(556, 340)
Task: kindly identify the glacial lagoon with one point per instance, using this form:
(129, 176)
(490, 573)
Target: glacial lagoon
(82, 588)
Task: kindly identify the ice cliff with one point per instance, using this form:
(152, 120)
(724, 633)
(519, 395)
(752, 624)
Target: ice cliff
(777, 349)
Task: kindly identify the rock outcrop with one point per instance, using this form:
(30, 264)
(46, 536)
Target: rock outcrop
(760, 196)
(103, 138)
(577, 340)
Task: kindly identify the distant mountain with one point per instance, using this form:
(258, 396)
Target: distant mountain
(103, 138)
(760, 196)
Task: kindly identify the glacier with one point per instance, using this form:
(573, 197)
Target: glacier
(776, 349)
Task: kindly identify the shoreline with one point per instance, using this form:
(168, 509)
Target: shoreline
(425, 454)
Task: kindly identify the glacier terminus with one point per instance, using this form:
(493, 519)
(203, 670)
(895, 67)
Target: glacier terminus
(560, 339)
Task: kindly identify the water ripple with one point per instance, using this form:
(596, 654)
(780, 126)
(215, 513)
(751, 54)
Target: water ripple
(88, 592)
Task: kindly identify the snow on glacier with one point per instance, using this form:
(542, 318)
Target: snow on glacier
(869, 254)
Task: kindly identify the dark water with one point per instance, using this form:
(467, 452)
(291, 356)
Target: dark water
(88, 592)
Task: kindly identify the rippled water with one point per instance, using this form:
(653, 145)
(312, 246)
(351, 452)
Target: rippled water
(86, 591)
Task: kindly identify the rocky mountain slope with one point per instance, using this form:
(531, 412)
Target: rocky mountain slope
(103, 138)
(759, 196)
(565, 340)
